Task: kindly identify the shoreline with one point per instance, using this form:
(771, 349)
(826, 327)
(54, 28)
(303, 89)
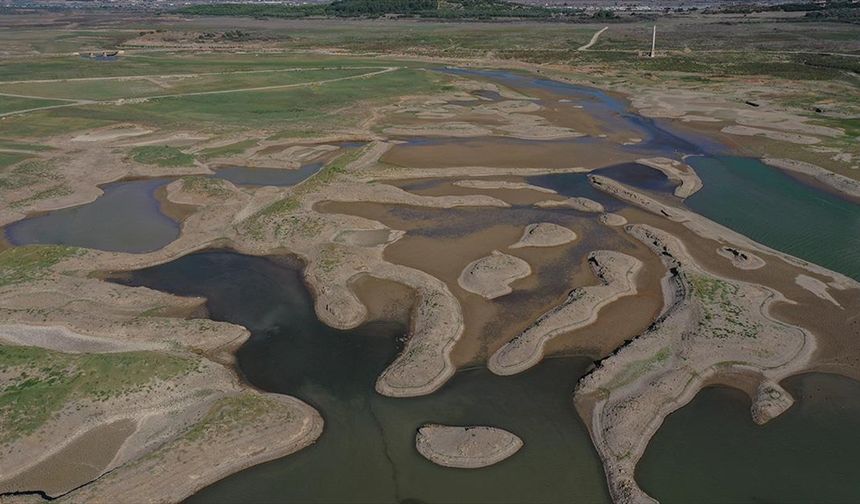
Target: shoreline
(633, 398)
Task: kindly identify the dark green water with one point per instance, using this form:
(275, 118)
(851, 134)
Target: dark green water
(710, 451)
(779, 211)
(366, 453)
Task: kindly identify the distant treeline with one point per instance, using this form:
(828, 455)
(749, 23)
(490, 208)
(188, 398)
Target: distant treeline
(833, 10)
(445, 9)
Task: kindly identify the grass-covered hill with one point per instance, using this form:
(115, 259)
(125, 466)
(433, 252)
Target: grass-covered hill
(441, 9)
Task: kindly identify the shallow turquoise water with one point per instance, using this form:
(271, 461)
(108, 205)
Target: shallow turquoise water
(710, 451)
(779, 211)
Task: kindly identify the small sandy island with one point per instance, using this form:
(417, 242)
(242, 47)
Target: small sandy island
(741, 259)
(466, 447)
(544, 234)
(689, 181)
(491, 276)
(613, 219)
(577, 203)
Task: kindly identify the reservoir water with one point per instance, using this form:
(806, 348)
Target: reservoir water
(710, 451)
(366, 453)
(126, 218)
(779, 211)
(248, 175)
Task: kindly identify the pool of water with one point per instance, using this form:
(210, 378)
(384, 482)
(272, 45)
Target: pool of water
(366, 453)
(710, 451)
(247, 175)
(779, 211)
(639, 176)
(126, 218)
(576, 184)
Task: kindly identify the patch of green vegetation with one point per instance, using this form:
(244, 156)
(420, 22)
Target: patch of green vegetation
(56, 191)
(638, 368)
(63, 67)
(255, 226)
(329, 258)
(851, 125)
(231, 412)
(14, 104)
(48, 123)
(42, 382)
(155, 311)
(161, 155)
(206, 185)
(10, 158)
(12, 145)
(330, 172)
(722, 316)
(24, 264)
(331, 104)
(27, 174)
(227, 150)
(112, 89)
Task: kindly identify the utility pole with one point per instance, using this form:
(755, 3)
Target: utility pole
(653, 41)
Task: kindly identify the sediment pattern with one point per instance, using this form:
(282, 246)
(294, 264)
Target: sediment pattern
(617, 275)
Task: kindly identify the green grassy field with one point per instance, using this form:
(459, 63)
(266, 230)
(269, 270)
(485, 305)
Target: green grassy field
(10, 158)
(42, 382)
(72, 67)
(24, 264)
(13, 103)
(161, 155)
(232, 149)
(166, 85)
(314, 107)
